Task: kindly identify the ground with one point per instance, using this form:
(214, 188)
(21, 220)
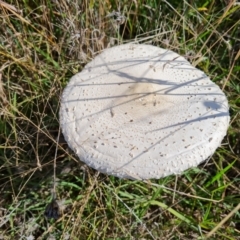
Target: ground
(42, 44)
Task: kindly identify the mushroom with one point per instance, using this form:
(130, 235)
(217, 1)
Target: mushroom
(142, 112)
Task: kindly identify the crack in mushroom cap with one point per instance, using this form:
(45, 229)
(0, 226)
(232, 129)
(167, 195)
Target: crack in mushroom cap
(142, 112)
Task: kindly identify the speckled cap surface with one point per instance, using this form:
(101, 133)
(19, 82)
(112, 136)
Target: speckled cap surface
(142, 112)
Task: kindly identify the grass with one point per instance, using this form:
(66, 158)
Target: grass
(42, 44)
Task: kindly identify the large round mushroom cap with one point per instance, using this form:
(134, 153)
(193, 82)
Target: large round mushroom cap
(141, 112)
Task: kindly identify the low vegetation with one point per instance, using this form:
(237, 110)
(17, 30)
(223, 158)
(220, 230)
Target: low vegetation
(42, 44)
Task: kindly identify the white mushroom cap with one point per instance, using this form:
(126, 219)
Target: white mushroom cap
(141, 112)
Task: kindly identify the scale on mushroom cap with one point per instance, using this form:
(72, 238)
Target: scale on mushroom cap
(142, 112)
